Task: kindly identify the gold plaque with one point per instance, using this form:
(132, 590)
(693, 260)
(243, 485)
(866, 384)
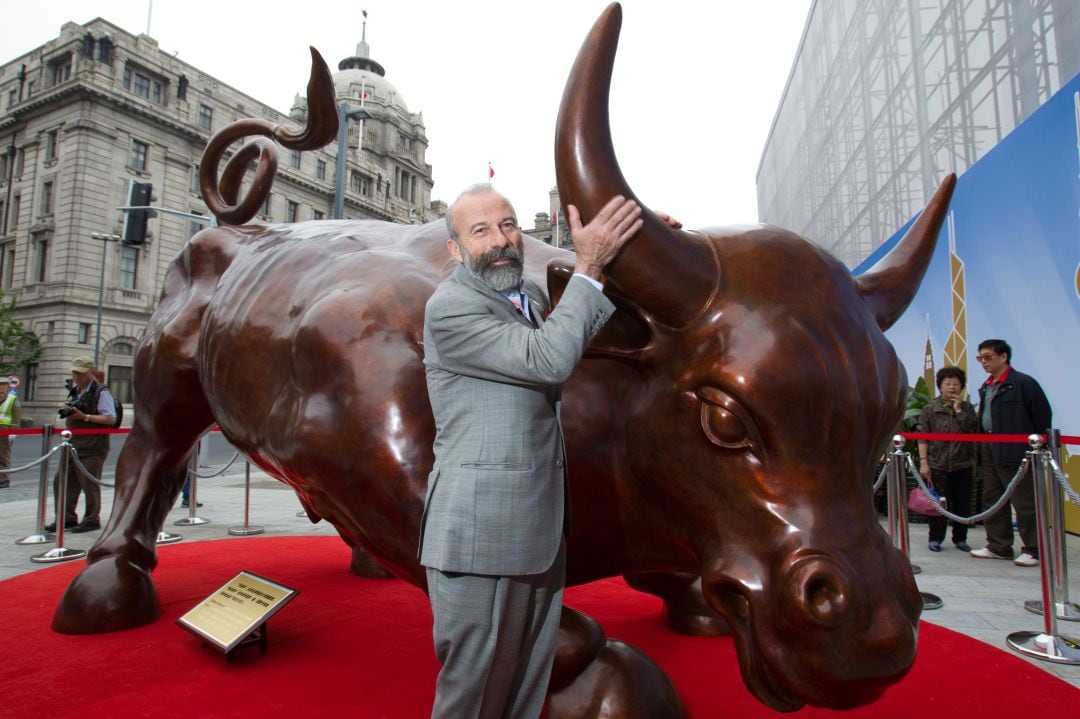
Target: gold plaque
(237, 609)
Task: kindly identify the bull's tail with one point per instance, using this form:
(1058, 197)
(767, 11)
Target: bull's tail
(321, 128)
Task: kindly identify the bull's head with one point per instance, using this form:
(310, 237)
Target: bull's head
(769, 379)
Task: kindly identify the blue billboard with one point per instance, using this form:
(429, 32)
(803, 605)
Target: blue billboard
(1007, 263)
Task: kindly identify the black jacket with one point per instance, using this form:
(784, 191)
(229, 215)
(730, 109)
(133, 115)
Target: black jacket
(1019, 407)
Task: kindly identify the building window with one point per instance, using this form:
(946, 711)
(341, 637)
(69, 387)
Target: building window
(60, 70)
(320, 169)
(267, 204)
(105, 47)
(129, 265)
(318, 215)
(292, 210)
(7, 264)
(42, 267)
(84, 333)
(294, 159)
(197, 226)
(181, 87)
(52, 139)
(30, 385)
(12, 98)
(144, 85)
(139, 153)
(206, 117)
(196, 188)
(125, 349)
(30, 88)
(46, 198)
(16, 205)
(120, 383)
(50, 330)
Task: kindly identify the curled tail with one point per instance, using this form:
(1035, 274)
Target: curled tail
(321, 128)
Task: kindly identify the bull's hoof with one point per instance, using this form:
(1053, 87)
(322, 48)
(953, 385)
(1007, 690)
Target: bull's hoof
(620, 683)
(364, 565)
(108, 595)
(686, 610)
(689, 613)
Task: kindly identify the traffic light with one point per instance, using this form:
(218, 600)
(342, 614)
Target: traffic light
(140, 195)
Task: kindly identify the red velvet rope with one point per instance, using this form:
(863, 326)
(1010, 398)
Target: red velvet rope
(58, 430)
(948, 437)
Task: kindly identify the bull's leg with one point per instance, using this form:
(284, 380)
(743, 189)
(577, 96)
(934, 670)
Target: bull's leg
(597, 677)
(115, 591)
(685, 609)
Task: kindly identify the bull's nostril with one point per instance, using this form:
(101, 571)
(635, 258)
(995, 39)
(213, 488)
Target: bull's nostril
(819, 590)
(824, 600)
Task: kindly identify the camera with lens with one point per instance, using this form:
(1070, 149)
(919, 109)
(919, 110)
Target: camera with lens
(72, 393)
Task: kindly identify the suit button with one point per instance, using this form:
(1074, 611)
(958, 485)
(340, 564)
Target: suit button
(558, 463)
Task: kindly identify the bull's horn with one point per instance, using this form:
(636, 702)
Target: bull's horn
(669, 273)
(890, 285)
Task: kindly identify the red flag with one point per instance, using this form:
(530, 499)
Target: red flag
(491, 171)
(555, 218)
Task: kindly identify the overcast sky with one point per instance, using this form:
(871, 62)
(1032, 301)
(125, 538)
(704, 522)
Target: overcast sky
(695, 86)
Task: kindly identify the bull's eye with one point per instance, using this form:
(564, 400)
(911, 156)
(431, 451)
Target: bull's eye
(723, 419)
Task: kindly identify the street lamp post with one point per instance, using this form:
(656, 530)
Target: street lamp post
(105, 240)
(344, 115)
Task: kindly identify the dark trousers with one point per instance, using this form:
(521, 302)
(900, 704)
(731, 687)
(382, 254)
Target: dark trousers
(999, 528)
(956, 487)
(76, 482)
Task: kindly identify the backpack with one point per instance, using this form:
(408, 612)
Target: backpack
(118, 408)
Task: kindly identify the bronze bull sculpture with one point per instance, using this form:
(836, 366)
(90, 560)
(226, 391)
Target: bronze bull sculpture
(721, 434)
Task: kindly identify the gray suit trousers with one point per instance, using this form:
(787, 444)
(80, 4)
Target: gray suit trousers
(495, 637)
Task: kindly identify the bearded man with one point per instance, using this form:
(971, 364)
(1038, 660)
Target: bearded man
(492, 537)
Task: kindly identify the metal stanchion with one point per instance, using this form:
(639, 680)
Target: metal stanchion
(1048, 645)
(193, 503)
(40, 536)
(61, 553)
(1066, 610)
(247, 529)
(898, 519)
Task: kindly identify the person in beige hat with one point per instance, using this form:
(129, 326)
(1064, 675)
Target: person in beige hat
(91, 408)
(10, 416)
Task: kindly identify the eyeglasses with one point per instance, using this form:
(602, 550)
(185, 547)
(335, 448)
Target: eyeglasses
(986, 357)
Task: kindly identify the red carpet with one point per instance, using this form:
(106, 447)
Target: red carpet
(357, 647)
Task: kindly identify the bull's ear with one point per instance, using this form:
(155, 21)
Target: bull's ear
(625, 335)
(559, 272)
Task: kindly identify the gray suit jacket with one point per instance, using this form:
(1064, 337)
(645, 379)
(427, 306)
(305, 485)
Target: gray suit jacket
(496, 499)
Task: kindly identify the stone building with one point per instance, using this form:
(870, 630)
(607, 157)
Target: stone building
(97, 108)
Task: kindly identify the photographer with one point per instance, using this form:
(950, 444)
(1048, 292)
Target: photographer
(89, 406)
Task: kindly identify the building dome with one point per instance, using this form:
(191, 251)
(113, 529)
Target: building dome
(360, 74)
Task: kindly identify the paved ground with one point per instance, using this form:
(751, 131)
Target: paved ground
(983, 598)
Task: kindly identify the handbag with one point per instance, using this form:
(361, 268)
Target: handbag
(917, 501)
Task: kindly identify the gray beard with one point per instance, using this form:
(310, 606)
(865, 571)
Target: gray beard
(499, 279)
